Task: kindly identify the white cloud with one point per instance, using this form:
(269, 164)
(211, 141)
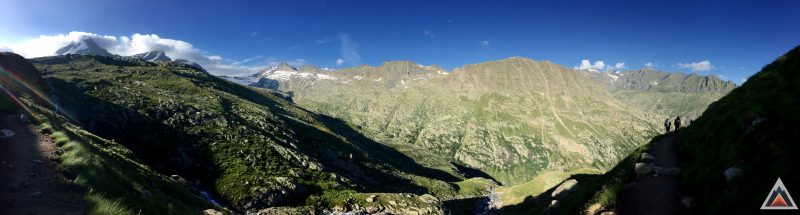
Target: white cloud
(697, 66)
(650, 64)
(485, 43)
(46, 45)
(254, 34)
(429, 33)
(248, 60)
(323, 41)
(349, 49)
(587, 65)
(339, 62)
(599, 65)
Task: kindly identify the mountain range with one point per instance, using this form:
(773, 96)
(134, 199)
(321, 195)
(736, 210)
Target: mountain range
(309, 140)
(514, 119)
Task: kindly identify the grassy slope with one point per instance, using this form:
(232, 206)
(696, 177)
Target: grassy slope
(113, 180)
(242, 144)
(720, 139)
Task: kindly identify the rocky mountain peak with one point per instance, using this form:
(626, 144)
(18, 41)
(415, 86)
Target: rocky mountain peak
(153, 56)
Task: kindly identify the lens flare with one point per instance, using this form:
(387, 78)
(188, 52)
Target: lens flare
(30, 88)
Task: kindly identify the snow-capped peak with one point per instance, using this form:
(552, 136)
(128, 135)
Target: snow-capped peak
(86, 46)
(153, 56)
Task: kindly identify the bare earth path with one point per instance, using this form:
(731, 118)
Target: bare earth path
(655, 194)
(29, 182)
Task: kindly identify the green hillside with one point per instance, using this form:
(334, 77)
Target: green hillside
(245, 147)
(754, 128)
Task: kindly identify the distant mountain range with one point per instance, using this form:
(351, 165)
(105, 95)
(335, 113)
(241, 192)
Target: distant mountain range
(87, 46)
(647, 79)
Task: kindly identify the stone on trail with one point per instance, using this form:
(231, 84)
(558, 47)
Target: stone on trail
(371, 198)
(686, 201)
(647, 158)
(5, 133)
(643, 168)
(731, 173)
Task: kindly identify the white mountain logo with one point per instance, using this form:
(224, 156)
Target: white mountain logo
(779, 198)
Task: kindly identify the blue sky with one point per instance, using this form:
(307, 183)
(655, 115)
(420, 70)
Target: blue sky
(731, 38)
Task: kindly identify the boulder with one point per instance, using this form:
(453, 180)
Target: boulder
(647, 158)
(563, 189)
(686, 201)
(643, 169)
(371, 198)
(5, 133)
(428, 198)
(212, 212)
(731, 173)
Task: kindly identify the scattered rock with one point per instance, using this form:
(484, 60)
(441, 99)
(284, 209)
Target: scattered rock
(212, 212)
(608, 213)
(564, 188)
(647, 158)
(687, 201)
(371, 198)
(731, 173)
(392, 202)
(554, 202)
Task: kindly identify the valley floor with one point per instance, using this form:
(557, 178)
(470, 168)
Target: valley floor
(29, 180)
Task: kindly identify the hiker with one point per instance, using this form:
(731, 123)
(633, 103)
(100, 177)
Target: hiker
(667, 124)
(677, 123)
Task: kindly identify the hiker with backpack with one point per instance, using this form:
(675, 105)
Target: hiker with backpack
(667, 124)
(677, 123)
